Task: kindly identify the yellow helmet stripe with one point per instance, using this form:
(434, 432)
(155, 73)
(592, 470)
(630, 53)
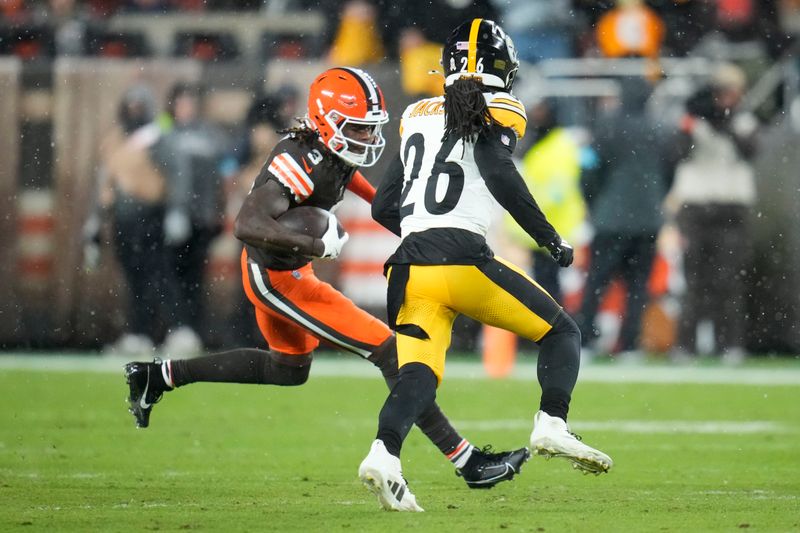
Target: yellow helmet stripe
(472, 50)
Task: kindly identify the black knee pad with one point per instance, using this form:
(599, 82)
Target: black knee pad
(423, 380)
(564, 325)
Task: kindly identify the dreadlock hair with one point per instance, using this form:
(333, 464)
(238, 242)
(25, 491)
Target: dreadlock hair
(307, 135)
(303, 131)
(466, 114)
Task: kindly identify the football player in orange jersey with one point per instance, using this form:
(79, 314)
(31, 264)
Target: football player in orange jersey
(312, 166)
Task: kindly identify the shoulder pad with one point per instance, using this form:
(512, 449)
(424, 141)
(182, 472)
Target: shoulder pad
(508, 111)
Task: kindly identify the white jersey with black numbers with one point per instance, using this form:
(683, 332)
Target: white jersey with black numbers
(442, 187)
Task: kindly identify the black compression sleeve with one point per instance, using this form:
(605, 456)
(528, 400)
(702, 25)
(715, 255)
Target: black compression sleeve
(386, 205)
(507, 186)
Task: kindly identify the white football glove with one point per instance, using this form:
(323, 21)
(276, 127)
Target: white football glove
(331, 240)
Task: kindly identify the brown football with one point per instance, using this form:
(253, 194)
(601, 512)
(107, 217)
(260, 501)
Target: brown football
(307, 220)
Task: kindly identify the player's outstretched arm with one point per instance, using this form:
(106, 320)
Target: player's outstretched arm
(361, 187)
(508, 188)
(386, 205)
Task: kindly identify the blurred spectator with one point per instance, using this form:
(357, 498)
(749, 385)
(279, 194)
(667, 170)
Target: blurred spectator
(429, 16)
(12, 10)
(540, 29)
(390, 18)
(418, 58)
(288, 102)
(70, 21)
(191, 154)
(263, 123)
(631, 29)
(278, 108)
(412, 32)
(745, 20)
(625, 194)
(552, 170)
(44, 29)
(714, 192)
(132, 189)
(357, 41)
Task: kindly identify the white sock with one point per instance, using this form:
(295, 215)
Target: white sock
(461, 454)
(166, 372)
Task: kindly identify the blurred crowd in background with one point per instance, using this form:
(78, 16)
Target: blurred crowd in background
(662, 142)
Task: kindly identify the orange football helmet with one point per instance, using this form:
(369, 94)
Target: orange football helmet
(342, 96)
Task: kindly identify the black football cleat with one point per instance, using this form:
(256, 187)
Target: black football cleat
(146, 388)
(485, 469)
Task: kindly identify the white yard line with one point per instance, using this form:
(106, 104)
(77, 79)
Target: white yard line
(708, 427)
(338, 367)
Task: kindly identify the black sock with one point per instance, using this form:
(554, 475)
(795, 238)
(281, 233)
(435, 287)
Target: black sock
(558, 364)
(433, 423)
(413, 394)
(243, 365)
(555, 402)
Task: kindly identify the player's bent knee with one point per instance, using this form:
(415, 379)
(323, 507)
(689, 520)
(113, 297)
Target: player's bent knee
(564, 325)
(423, 377)
(385, 357)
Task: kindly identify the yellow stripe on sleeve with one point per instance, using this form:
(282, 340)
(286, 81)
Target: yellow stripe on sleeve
(510, 101)
(510, 119)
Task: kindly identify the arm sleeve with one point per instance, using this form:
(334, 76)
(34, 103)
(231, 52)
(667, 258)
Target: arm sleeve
(360, 186)
(508, 188)
(386, 205)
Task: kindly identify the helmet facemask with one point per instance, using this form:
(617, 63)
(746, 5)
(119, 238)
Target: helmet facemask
(355, 152)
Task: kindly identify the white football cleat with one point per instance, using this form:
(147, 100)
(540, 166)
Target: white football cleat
(551, 437)
(380, 472)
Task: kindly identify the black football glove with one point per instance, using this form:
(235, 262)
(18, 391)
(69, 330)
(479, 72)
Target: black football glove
(561, 251)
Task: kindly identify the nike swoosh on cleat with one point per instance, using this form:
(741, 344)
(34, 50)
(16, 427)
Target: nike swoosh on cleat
(305, 165)
(505, 468)
(142, 403)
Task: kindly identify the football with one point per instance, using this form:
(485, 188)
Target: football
(311, 221)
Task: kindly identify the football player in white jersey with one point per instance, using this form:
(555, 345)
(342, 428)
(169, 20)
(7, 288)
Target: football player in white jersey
(454, 162)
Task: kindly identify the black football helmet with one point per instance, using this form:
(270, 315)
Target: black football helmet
(479, 48)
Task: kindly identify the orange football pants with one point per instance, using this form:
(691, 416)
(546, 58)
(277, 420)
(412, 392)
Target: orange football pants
(295, 310)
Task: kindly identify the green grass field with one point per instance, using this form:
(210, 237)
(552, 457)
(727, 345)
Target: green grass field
(689, 456)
